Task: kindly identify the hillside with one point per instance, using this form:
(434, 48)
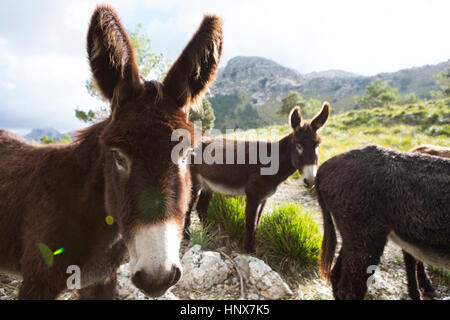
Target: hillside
(258, 84)
(37, 134)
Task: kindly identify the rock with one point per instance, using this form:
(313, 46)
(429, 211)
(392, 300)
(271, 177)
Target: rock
(261, 279)
(203, 269)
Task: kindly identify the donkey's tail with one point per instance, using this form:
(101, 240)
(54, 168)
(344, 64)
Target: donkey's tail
(329, 239)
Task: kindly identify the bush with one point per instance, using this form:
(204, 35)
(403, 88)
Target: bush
(202, 235)
(439, 275)
(228, 215)
(289, 238)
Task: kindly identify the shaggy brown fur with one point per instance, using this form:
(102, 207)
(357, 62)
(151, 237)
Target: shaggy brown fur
(59, 195)
(246, 179)
(418, 281)
(372, 193)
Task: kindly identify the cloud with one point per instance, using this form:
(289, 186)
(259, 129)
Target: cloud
(43, 64)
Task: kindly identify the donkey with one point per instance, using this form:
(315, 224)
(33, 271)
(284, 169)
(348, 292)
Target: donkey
(297, 151)
(116, 188)
(372, 194)
(418, 280)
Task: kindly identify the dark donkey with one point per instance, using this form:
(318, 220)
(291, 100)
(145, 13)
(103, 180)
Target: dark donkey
(116, 187)
(374, 193)
(418, 281)
(297, 151)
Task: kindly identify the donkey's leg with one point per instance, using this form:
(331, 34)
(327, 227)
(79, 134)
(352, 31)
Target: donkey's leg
(187, 221)
(417, 278)
(251, 223)
(335, 275)
(38, 288)
(411, 268)
(260, 210)
(102, 291)
(355, 263)
(40, 282)
(203, 203)
(424, 282)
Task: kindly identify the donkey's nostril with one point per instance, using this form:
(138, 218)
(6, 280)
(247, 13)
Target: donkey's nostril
(138, 279)
(176, 275)
(307, 183)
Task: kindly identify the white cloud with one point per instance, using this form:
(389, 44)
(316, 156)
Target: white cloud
(43, 63)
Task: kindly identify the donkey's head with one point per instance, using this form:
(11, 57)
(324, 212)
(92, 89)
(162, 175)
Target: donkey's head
(147, 193)
(305, 142)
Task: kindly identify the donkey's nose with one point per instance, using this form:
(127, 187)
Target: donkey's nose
(156, 285)
(308, 183)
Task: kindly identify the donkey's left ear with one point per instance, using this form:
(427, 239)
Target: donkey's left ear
(111, 56)
(295, 118)
(197, 65)
(321, 118)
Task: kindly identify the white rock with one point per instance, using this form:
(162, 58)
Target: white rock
(258, 274)
(203, 269)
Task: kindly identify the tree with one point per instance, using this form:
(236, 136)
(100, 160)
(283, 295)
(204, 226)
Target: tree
(46, 140)
(291, 100)
(409, 98)
(443, 79)
(205, 115)
(66, 139)
(311, 108)
(378, 94)
(150, 65)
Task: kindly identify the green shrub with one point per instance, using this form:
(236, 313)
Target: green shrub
(439, 275)
(228, 215)
(202, 235)
(289, 239)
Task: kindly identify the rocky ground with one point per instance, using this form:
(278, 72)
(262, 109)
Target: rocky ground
(224, 274)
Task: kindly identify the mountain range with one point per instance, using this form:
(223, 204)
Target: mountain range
(248, 91)
(263, 83)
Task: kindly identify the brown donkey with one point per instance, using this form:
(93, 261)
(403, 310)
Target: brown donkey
(297, 151)
(418, 281)
(372, 193)
(116, 187)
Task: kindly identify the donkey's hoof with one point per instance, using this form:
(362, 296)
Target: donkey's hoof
(431, 294)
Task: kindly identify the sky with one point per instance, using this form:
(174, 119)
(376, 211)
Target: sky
(43, 64)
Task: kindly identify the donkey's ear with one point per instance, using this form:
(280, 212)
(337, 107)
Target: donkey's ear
(321, 118)
(295, 118)
(111, 56)
(197, 65)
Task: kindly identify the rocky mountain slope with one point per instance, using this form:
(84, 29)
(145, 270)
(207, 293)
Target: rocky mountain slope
(37, 134)
(263, 83)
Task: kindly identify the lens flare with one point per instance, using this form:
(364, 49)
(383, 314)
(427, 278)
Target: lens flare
(109, 220)
(59, 251)
(46, 254)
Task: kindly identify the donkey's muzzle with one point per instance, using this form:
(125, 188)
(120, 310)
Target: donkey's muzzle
(154, 285)
(308, 183)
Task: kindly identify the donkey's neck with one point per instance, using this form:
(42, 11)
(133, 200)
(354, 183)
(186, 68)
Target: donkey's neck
(89, 160)
(286, 168)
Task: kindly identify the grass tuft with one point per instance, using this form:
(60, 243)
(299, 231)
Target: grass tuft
(290, 239)
(227, 214)
(202, 235)
(439, 275)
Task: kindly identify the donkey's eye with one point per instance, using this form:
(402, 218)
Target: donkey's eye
(120, 161)
(299, 148)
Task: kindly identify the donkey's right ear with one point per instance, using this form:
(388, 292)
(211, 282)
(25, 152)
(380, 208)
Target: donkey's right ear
(197, 65)
(295, 118)
(111, 56)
